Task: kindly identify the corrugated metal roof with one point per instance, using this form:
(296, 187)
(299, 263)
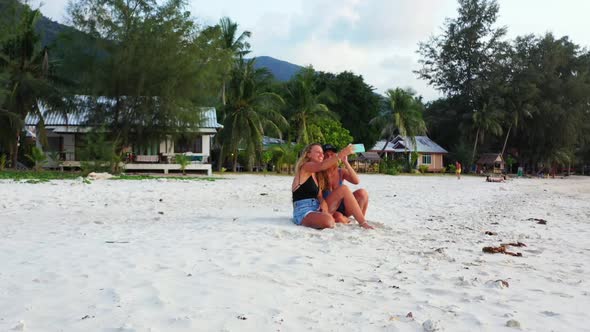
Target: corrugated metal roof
(53, 119)
(366, 156)
(401, 144)
(209, 117)
(266, 140)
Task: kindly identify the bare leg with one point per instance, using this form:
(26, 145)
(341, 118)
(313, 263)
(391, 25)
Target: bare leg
(362, 197)
(343, 194)
(319, 220)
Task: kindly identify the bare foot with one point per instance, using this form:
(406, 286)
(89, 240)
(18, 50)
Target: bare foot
(340, 218)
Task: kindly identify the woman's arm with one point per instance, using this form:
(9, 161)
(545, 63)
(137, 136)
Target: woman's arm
(314, 167)
(349, 173)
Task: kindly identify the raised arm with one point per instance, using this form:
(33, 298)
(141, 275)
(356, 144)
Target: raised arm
(314, 167)
(349, 172)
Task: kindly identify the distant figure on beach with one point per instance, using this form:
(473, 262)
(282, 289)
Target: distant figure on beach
(490, 179)
(336, 176)
(309, 207)
(458, 169)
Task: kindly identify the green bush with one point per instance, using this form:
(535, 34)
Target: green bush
(391, 167)
(98, 155)
(423, 169)
(443, 170)
(183, 161)
(38, 157)
(451, 168)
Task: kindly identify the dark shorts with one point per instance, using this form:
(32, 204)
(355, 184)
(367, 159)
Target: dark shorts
(341, 209)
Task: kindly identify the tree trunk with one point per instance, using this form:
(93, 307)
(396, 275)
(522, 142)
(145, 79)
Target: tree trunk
(15, 150)
(223, 93)
(385, 145)
(506, 141)
(474, 147)
(220, 160)
(235, 162)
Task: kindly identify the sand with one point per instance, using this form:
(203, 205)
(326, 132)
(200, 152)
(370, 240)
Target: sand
(170, 255)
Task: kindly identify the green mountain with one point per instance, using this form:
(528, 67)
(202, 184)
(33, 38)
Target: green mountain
(281, 70)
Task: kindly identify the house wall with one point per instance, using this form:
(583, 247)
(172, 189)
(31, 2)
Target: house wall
(167, 146)
(69, 145)
(436, 161)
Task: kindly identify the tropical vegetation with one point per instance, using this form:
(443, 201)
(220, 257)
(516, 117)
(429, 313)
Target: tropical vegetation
(142, 68)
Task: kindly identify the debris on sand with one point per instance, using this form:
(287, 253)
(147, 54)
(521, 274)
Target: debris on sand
(513, 244)
(539, 221)
(500, 250)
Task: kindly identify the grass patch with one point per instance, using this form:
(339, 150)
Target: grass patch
(37, 177)
(152, 177)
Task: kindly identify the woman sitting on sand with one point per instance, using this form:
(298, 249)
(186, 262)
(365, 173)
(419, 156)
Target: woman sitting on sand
(309, 209)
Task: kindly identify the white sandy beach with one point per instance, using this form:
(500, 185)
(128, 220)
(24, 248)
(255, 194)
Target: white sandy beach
(168, 255)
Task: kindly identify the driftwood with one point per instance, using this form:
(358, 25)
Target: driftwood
(502, 249)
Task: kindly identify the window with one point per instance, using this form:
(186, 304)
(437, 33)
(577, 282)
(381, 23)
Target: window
(194, 145)
(426, 159)
(55, 144)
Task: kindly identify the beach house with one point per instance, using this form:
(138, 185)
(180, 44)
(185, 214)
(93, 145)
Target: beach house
(429, 153)
(65, 138)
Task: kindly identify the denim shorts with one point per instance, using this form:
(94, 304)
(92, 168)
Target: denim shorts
(303, 207)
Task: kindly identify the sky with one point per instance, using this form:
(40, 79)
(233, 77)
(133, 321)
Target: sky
(377, 39)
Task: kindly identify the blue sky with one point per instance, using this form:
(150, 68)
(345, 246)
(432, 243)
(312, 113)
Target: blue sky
(374, 38)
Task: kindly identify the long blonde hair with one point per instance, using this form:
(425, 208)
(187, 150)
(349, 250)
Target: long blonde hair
(322, 176)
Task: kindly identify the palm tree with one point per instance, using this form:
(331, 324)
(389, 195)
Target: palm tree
(251, 111)
(485, 120)
(236, 46)
(286, 154)
(402, 116)
(306, 104)
(28, 80)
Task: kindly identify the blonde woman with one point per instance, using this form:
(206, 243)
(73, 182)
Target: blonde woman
(309, 209)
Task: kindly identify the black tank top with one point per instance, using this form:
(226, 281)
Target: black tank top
(308, 189)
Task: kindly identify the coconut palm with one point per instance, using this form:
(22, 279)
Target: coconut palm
(485, 120)
(38, 157)
(235, 48)
(402, 116)
(306, 105)
(286, 155)
(235, 45)
(28, 79)
(251, 112)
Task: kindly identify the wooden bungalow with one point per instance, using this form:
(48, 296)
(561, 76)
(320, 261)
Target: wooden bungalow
(366, 162)
(429, 153)
(490, 163)
(66, 138)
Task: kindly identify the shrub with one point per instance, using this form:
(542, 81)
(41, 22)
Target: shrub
(451, 168)
(423, 168)
(99, 154)
(38, 157)
(183, 161)
(391, 167)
